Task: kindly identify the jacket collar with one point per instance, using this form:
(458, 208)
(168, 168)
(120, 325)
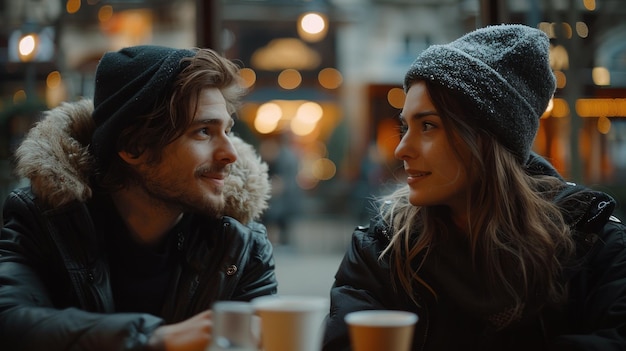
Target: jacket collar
(55, 158)
(537, 165)
(584, 209)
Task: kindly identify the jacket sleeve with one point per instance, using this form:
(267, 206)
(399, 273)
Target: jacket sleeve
(599, 309)
(259, 277)
(29, 317)
(360, 283)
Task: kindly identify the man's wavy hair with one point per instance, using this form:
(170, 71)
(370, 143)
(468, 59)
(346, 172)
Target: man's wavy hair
(517, 235)
(173, 114)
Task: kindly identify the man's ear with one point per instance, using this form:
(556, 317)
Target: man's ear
(130, 158)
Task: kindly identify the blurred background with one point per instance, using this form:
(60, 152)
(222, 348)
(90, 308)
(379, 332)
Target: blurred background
(324, 79)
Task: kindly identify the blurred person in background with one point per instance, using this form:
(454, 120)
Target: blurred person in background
(486, 243)
(142, 211)
(284, 203)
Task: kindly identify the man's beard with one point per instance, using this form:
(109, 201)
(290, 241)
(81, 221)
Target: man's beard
(169, 190)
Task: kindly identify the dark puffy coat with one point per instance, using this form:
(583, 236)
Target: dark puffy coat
(593, 319)
(55, 291)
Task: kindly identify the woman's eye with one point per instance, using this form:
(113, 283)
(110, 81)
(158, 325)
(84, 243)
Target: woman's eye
(426, 126)
(403, 128)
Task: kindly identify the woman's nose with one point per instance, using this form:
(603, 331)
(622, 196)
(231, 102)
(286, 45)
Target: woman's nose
(402, 151)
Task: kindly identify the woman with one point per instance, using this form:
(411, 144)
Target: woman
(487, 244)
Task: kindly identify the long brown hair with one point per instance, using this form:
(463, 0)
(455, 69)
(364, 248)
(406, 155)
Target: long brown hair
(516, 234)
(172, 114)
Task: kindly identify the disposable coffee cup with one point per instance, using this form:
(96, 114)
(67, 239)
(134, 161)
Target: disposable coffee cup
(378, 330)
(291, 323)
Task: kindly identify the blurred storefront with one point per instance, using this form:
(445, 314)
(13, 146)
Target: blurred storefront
(325, 80)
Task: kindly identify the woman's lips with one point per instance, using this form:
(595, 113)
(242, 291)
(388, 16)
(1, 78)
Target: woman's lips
(414, 176)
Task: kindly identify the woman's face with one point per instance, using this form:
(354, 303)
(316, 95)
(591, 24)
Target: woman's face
(435, 172)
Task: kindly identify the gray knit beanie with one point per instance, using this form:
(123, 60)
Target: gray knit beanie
(501, 74)
(128, 84)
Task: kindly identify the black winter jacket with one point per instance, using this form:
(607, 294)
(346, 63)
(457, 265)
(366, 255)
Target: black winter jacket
(593, 319)
(55, 288)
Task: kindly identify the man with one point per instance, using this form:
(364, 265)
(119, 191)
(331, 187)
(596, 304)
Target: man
(140, 214)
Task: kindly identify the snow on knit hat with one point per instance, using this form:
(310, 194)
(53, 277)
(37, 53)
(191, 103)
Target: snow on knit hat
(128, 83)
(502, 75)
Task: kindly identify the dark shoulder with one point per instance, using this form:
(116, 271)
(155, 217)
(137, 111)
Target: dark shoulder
(369, 242)
(613, 234)
(20, 197)
(252, 234)
(598, 234)
(584, 209)
(252, 230)
(374, 232)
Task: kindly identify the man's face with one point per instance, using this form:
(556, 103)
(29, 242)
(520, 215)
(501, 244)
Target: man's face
(191, 173)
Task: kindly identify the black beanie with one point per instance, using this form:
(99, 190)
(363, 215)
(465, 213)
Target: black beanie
(128, 83)
(502, 74)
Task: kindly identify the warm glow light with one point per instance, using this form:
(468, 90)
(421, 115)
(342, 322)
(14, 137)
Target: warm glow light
(289, 79)
(546, 27)
(387, 138)
(567, 30)
(105, 13)
(305, 181)
(559, 58)
(27, 47)
(128, 27)
(302, 128)
(267, 117)
(330, 78)
(72, 6)
(601, 76)
(310, 112)
(395, 97)
(53, 80)
(561, 79)
(601, 107)
(19, 96)
(549, 109)
(560, 108)
(312, 26)
(553, 31)
(604, 125)
(313, 23)
(590, 5)
(582, 30)
(323, 169)
(248, 77)
(283, 53)
(55, 92)
(306, 118)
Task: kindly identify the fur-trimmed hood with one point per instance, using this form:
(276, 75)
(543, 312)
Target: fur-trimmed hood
(55, 157)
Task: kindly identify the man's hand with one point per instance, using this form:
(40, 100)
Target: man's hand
(193, 334)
